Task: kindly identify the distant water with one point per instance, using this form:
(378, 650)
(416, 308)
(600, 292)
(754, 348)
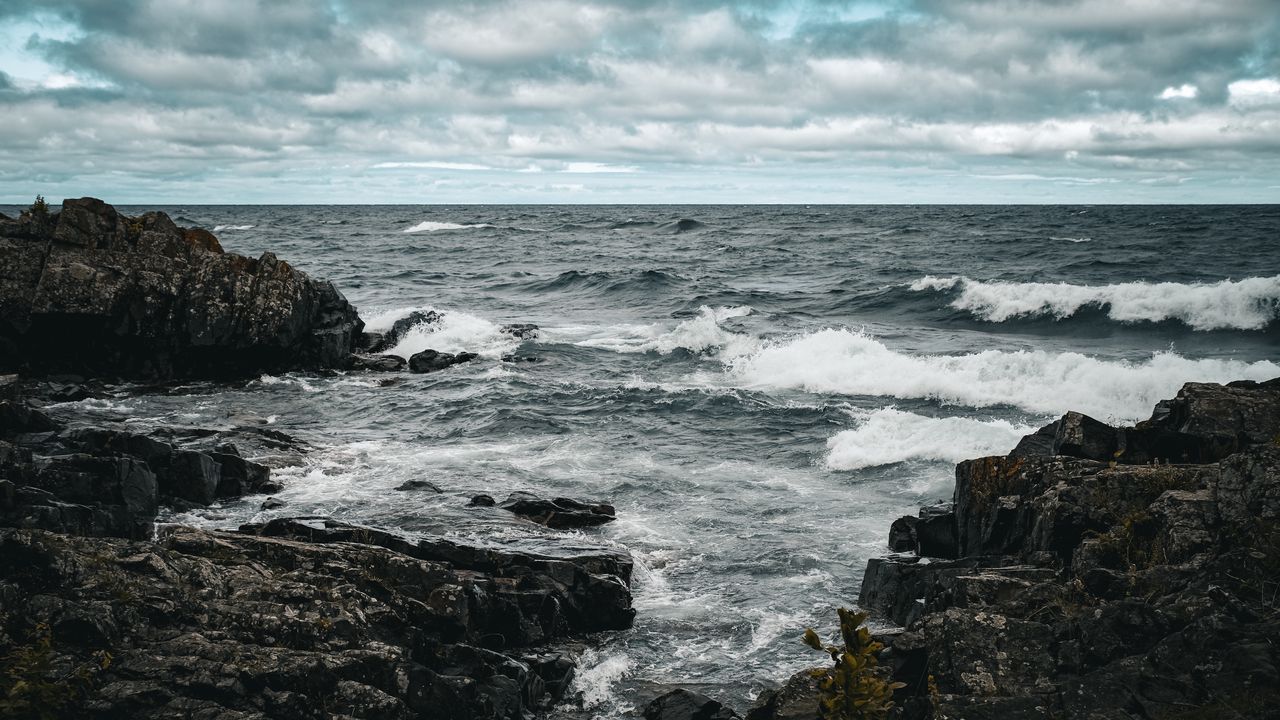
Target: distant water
(759, 390)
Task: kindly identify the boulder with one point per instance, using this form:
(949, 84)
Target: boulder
(558, 513)
(378, 363)
(426, 485)
(153, 301)
(381, 342)
(902, 535)
(521, 331)
(432, 360)
(681, 704)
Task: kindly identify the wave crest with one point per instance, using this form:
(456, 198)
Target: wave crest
(434, 226)
(1249, 304)
(853, 363)
(889, 436)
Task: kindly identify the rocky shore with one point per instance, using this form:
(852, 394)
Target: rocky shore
(1094, 572)
(105, 614)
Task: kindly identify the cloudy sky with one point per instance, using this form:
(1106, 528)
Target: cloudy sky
(226, 101)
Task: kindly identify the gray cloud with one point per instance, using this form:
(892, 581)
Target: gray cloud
(147, 92)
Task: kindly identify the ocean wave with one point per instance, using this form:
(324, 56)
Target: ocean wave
(1249, 304)
(1072, 239)
(453, 332)
(434, 226)
(604, 281)
(700, 334)
(224, 228)
(888, 435)
(853, 363)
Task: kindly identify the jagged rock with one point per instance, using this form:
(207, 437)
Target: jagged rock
(797, 699)
(902, 534)
(380, 342)
(431, 360)
(681, 704)
(154, 301)
(936, 531)
(1089, 585)
(521, 331)
(583, 592)
(217, 624)
(378, 363)
(558, 513)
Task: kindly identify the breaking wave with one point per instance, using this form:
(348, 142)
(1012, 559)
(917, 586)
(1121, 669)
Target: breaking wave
(433, 226)
(1249, 304)
(889, 435)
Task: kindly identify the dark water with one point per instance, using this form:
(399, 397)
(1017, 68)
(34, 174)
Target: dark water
(759, 390)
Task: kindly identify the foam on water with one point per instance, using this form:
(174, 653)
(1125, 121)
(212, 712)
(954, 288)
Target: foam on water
(701, 334)
(889, 435)
(455, 332)
(595, 678)
(1248, 304)
(435, 226)
(854, 363)
(224, 228)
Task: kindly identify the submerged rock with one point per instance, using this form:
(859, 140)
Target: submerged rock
(152, 300)
(559, 513)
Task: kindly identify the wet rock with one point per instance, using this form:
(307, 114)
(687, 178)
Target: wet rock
(418, 485)
(77, 282)
(432, 360)
(936, 531)
(902, 534)
(797, 699)
(272, 504)
(378, 363)
(681, 704)
(521, 331)
(558, 513)
(380, 342)
(1097, 580)
(216, 624)
(482, 501)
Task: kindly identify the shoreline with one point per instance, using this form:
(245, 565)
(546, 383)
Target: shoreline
(952, 591)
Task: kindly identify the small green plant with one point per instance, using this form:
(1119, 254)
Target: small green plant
(40, 207)
(32, 688)
(854, 688)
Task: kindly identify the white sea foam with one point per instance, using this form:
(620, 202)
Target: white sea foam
(1248, 304)
(853, 363)
(1072, 239)
(434, 226)
(454, 332)
(889, 435)
(224, 228)
(698, 334)
(596, 675)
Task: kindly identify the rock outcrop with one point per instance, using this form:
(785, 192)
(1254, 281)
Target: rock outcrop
(93, 292)
(558, 513)
(241, 625)
(1101, 572)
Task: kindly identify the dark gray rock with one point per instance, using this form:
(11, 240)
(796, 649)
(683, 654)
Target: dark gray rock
(482, 501)
(153, 301)
(378, 363)
(681, 704)
(936, 532)
(418, 485)
(432, 360)
(558, 513)
(902, 534)
(521, 331)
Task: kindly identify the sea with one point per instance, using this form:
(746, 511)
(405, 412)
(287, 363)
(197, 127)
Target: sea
(758, 390)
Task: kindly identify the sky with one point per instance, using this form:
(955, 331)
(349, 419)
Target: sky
(641, 101)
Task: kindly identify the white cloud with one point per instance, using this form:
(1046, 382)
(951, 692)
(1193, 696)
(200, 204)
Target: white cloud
(1185, 91)
(595, 167)
(1252, 93)
(429, 164)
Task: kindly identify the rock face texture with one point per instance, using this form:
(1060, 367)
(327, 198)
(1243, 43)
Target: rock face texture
(238, 625)
(294, 618)
(93, 292)
(1102, 572)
